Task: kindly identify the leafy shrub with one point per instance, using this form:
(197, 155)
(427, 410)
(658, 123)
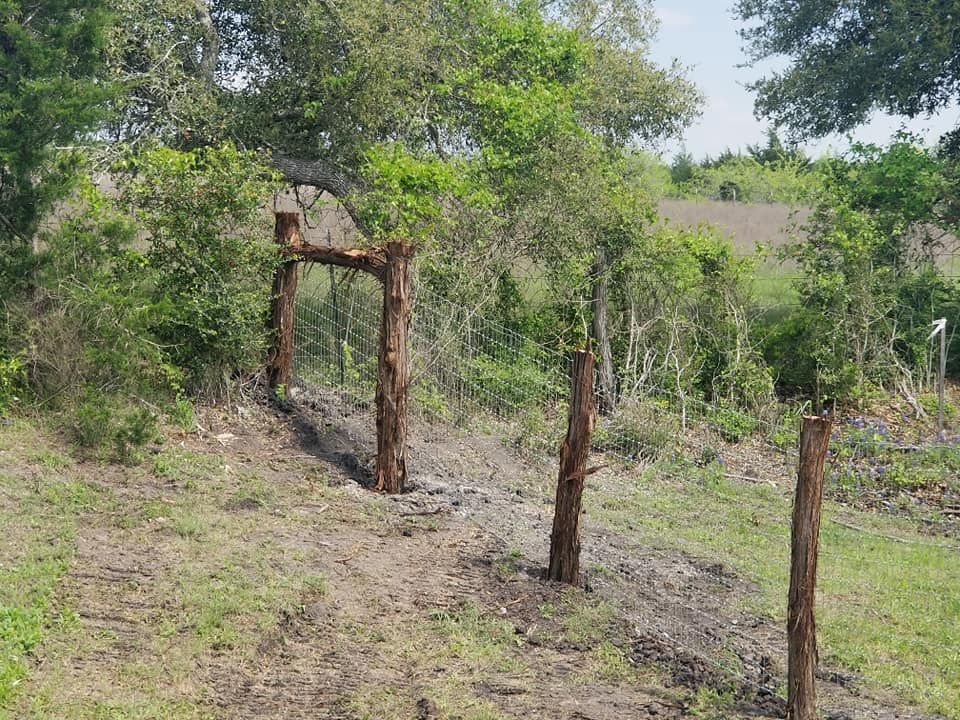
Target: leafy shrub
(98, 422)
(868, 285)
(210, 258)
(509, 385)
(733, 425)
(540, 430)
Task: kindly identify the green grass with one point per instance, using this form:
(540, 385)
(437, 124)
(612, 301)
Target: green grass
(39, 509)
(887, 610)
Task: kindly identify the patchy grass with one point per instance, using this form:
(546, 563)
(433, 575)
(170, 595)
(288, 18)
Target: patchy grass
(888, 610)
(39, 507)
(217, 601)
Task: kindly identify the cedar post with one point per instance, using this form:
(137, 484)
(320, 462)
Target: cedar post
(280, 357)
(393, 370)
(565, 538)
(805, 538)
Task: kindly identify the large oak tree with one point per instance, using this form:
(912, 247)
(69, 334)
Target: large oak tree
(849, 58)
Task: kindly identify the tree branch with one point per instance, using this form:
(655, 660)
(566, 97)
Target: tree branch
(371, 261)
(318, 173)
(325, 176)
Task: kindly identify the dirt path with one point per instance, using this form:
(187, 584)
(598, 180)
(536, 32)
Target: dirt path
(246, 573)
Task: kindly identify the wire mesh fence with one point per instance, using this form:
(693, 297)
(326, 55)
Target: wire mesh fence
(703, 479)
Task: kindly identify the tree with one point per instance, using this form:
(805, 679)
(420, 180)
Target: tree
(488, 129)
(51, 91)
(323, 83)
(775, 153)
(852, 57)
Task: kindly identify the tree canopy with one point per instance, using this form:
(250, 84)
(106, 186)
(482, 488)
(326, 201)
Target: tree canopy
(852, 57)
(51, 90)
(335, 90)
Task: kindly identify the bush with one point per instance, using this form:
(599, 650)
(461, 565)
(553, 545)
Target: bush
(639, 429)
(211, 257)
(732, 424)
(99, 423)
(509, 385)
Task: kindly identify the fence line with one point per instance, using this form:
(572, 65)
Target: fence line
(466, 367)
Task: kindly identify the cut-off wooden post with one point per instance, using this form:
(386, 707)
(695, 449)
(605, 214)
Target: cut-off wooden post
(393, 370)
(805, 540)
(565, 538)
(280, 357)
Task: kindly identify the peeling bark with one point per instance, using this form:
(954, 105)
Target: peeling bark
(393, 370)
(280, 358)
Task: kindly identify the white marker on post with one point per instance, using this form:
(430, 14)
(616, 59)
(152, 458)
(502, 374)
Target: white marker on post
(940, 328)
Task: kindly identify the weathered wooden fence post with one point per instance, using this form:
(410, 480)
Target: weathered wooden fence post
(393, 370)
(565, 538)
(805, 540)
(280, 357)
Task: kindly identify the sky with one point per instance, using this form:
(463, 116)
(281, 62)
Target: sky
(702, 35)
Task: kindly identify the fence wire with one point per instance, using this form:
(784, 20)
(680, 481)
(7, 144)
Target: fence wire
(705, 480)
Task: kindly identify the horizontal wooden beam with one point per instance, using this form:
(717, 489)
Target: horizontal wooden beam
(370, 261)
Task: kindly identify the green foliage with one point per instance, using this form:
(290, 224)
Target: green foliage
(510, 384)
(407, 195)
(12, 378)
(746, 179)
(865, 457)
(51, 90)
(639, 429)
(693, 294)
(869, 287)
(849, 59)
(98, 423)
(733, 425)
(210, 260)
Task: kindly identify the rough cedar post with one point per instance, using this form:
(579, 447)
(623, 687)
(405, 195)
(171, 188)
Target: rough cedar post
(393, 370)
(805, 538)
(280, 357)
(565, 538)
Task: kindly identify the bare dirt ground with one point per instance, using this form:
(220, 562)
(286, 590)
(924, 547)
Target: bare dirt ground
(247, 571)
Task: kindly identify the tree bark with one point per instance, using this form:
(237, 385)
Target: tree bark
(565, 538)
(316, 173)
(371, 261)
(606, 377)
(280, 357)
(393, 370)
(209, 44)
(805, 539)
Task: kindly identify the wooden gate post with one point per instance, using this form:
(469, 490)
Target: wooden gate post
(280, 357)
(393, 370)
(565, 538)
(805, 540)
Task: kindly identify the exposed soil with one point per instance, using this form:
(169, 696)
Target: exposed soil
(472, 532)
